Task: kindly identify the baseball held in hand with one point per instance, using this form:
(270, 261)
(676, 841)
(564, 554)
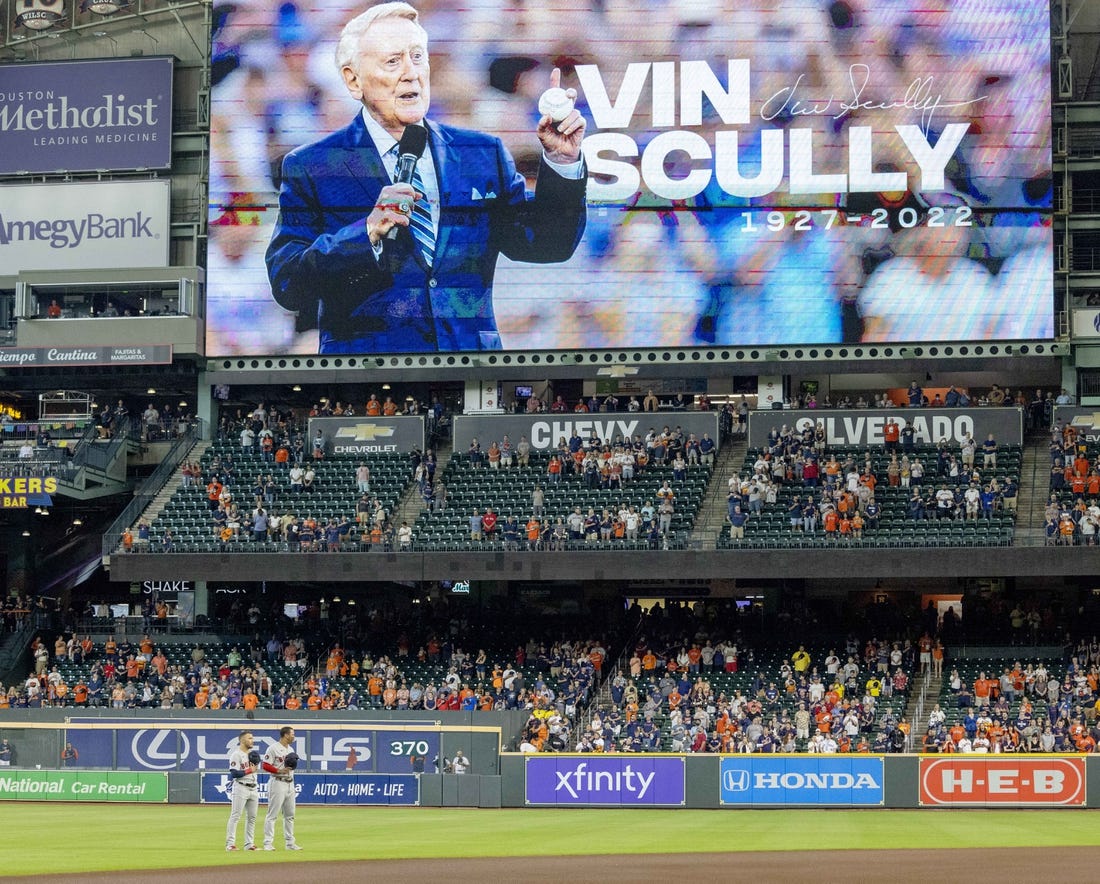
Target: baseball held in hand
(556, 104)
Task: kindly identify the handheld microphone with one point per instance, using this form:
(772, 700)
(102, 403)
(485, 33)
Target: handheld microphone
(409, 150)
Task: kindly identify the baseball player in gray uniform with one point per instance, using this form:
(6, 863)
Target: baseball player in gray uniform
(280, 761)
(244, 761)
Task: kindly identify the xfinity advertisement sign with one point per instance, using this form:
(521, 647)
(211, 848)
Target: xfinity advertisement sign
(544, 432)
(92, 226)
(622, 781)
(839, 781)
(86, 116)
(864, 426)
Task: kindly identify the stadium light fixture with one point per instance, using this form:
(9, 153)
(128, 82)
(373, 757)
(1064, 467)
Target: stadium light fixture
(152, 391)
(26, 532)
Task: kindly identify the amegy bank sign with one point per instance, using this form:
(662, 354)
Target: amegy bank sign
(865, 426)
(88, 226)
(546, 431)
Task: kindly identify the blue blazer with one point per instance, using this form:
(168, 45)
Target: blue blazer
(320, 259)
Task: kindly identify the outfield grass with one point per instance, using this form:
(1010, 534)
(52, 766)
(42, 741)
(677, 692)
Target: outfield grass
(55, 838)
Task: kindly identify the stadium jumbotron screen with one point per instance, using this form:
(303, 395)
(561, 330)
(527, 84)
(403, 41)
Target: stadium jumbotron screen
(758, 173)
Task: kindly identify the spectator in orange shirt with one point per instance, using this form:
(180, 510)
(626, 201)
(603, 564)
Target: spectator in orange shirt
(313, 702)
(293, 702)
(649, 662)
(374, 407)
(202, 697)
(250, 701)
(981, 690)
(133, 668)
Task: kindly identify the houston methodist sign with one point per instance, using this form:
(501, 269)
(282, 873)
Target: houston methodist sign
(86, 115)
(992, 780)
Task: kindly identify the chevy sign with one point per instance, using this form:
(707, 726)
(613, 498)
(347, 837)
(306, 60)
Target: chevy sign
(836, 780)
(362, 436)
(618, 780)
(86, 116)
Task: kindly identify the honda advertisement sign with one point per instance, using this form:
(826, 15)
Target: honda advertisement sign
(91, 226)
(86, 116)
(1015, 781)
(617, 780)
(864, 426)
(331, 789)
(544, 432)
(355, 436)
(834, 780)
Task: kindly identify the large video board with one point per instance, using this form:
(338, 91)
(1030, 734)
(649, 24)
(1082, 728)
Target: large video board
(758, 172)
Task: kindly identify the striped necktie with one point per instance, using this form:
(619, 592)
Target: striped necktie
(420, 222)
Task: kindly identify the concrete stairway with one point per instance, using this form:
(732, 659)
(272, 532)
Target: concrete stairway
(166, 493)
(411, 504)
(924, 693)
(712, 515)
(1034, 490)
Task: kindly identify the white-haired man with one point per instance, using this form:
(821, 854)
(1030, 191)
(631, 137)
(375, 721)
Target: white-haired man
(427, 286)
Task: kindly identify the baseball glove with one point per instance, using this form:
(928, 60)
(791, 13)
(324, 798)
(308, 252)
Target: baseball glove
(291, 760)
(254, 757)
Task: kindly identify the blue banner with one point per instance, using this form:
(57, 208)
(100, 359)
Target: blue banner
(837, 780)
(403, 752)
(193, 745)
(620, 780)
(327, 788)
(86, 115)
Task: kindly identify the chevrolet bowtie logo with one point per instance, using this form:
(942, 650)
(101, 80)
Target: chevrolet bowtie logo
(1090, 421)
(365, 432)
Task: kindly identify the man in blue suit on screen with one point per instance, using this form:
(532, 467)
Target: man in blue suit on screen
(393, 261)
